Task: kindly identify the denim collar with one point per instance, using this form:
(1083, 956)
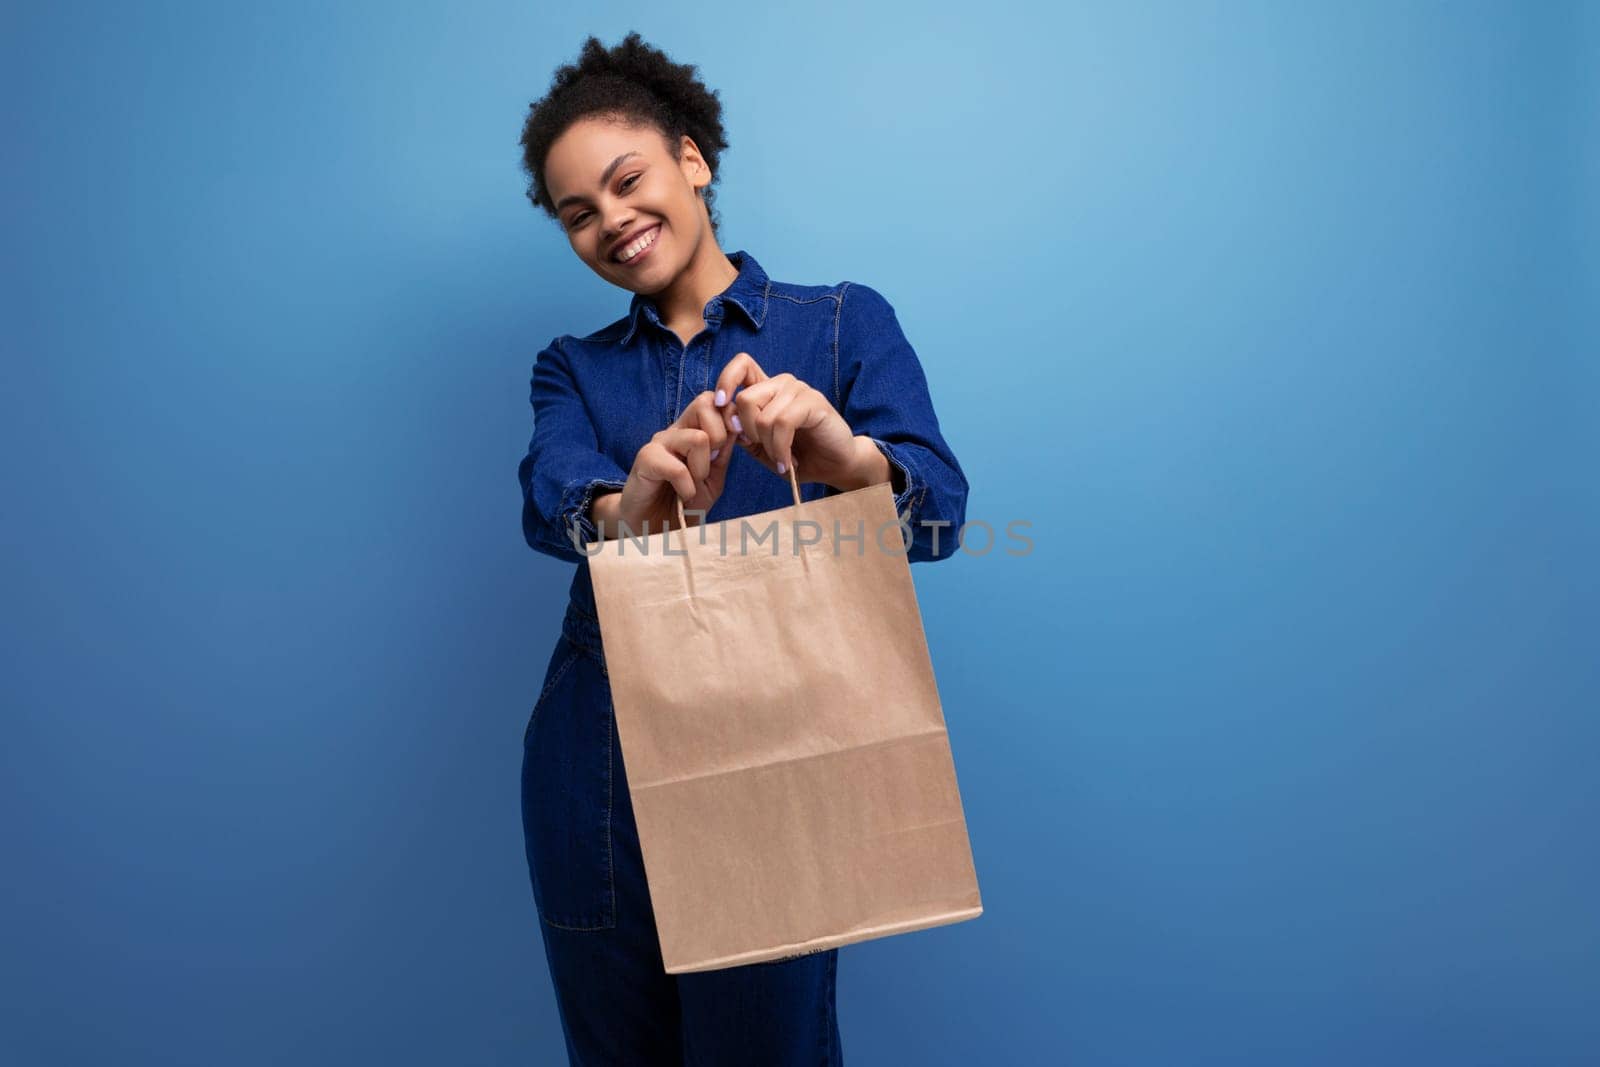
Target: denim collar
(748, 293)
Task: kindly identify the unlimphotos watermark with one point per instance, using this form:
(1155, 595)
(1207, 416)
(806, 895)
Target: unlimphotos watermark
(749, 535)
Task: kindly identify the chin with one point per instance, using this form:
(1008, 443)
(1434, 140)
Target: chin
(659, 277)
(649, 285)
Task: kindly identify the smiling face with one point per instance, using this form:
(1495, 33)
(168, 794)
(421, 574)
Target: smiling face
(617, 191)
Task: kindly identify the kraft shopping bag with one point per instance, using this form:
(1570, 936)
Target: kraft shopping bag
(786, 751)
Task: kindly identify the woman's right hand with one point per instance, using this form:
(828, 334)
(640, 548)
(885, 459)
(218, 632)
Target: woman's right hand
(688, 460)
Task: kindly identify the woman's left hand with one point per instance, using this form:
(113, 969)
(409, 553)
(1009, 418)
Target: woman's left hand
(782, 421)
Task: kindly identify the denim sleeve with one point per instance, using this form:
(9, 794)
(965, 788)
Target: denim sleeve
(564, 465)
(885, 397)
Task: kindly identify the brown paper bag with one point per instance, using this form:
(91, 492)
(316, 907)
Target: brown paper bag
(785, 748)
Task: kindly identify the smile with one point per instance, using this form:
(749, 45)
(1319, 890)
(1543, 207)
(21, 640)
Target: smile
(639, 248)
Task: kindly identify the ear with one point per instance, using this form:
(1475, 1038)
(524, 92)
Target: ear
(693, 163)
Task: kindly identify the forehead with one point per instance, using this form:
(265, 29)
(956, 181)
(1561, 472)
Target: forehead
(583, 151)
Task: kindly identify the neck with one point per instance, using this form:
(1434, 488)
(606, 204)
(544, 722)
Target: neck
(709, 273)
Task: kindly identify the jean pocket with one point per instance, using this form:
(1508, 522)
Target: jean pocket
(567, 794)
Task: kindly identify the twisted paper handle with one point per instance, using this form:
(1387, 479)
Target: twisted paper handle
(794, 485)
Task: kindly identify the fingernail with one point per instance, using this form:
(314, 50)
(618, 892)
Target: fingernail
(737, 428)
(714, 452)
(781, 468)
(744, 439)
(722, 397)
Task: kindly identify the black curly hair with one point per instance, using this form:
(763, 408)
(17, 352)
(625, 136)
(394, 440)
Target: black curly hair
(634, 81)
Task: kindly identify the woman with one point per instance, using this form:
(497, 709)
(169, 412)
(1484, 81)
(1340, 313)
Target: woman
(716, 372)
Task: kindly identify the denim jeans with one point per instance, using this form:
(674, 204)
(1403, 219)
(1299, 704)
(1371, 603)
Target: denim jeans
(617, 1003)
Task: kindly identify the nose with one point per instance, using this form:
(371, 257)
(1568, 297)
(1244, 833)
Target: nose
(617, 223)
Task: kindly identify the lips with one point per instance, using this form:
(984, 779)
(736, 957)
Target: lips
(628, 242)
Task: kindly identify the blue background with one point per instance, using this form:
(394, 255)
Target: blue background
(1277, 321)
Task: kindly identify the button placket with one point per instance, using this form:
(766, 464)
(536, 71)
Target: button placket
(694, 363)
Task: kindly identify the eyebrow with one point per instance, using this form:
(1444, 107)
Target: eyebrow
(605, 177)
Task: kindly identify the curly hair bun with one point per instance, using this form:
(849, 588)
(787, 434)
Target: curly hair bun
(633, 81)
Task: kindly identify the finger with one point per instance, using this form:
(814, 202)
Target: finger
(702, 414)
(747, 406)
(773, 424)
(658, 463)
(798, 414)
(742, 370)
(694, 445)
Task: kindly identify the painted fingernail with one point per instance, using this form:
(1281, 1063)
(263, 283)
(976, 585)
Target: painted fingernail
(722, 397)
(715, 452)
(781, 467)
(744, 439)
(737, 428)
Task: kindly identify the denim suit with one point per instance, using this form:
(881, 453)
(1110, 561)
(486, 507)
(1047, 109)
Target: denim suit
(596, 401)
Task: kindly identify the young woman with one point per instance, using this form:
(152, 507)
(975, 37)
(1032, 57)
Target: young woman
(716, 381)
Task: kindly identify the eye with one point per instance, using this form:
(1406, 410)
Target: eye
(572, 224)
(629, 180)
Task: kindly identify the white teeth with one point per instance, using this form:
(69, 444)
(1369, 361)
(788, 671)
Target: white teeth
(638, 246)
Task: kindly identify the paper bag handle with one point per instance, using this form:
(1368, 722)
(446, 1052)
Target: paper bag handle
(794, 486)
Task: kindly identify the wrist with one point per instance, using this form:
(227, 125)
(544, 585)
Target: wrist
(605, 508)
(869, 466)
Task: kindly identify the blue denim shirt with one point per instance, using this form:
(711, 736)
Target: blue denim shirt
(598, 399)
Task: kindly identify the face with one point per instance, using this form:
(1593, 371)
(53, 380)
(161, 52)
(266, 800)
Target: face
(614, 183)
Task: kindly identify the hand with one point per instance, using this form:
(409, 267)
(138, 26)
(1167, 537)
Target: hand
(782, 421)
(687, 461)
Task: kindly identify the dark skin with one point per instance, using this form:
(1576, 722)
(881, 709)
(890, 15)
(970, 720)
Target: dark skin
(617, 187)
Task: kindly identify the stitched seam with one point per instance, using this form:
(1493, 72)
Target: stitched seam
(587, 639)
(609, 914)
(838, 314)
(806, 300)
(572, 657)
(822, 1030)
(578, 516)
(914, 492)
(828, 1007)
(826, 295)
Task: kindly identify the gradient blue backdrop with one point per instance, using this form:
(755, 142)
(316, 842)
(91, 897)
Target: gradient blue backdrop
(1277, 321)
